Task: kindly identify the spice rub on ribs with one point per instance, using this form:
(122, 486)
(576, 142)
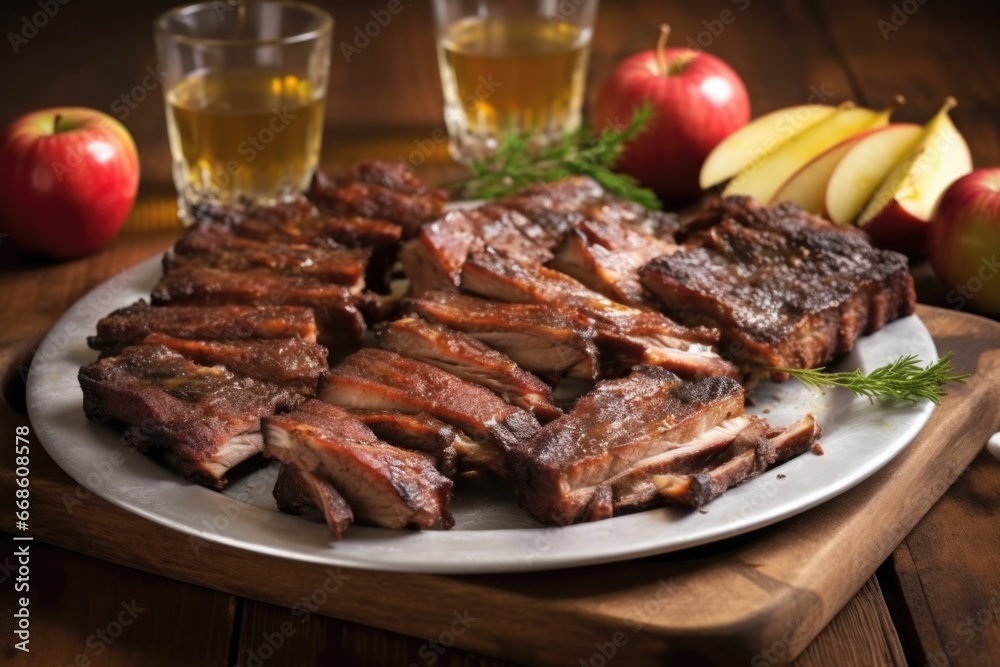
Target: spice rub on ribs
(785, 288)
(131, 324)
(383, 485)
(205, 419)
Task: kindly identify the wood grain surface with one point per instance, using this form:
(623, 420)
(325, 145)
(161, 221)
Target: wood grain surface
(381, 104)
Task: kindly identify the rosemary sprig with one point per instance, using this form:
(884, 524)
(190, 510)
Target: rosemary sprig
(903, 379)
(518, 163)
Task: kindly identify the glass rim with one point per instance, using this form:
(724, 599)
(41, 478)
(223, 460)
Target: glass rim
(325, 26)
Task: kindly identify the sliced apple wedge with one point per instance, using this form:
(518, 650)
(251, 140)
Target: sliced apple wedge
(807, 186)
(762, 179)
(897, 215)
(864, 167)
(757, 139)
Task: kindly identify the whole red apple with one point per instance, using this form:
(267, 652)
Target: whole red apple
(964, 241)
(68, 179)
(697, 101)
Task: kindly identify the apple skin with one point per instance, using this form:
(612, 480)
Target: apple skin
(895, 228)
(693, 110)
(964, 240)
(66, 193)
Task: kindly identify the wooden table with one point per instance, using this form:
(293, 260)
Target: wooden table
(936, 600)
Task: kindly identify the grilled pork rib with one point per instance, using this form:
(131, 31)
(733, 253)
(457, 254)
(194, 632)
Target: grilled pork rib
(216, 249)
(786, 289)
(206, 419)
(131, 324)
(617, 424)
(383, 190)
(606, 256)
(754, 450)
(296, 223)
(433, 260)
(290, 362)
(384, 485)
(419, 432)
(339, 321)
(468, 359)
(299, 492)
(538, 338)
(378, 379)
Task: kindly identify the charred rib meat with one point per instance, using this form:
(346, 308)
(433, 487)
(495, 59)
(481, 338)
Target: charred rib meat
(205, 418)
(384, 485)
(131, 324)
(786, 289)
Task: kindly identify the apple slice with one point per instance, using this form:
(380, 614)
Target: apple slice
(757, 139)
(898, 213)
(807, 186)
(762, 179)
(866, 164)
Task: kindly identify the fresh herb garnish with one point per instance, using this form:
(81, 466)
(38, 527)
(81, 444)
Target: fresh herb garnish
(903, 379)
(518, 163)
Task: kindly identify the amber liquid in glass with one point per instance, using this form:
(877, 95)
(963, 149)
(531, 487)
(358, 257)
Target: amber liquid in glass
(250, 135)
(511, 75)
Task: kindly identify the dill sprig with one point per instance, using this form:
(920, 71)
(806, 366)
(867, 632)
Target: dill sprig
(903, 379)
(518, 162)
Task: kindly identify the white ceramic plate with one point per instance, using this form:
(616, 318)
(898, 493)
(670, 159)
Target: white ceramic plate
(491, 533)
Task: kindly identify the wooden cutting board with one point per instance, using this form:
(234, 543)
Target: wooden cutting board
(773, 589)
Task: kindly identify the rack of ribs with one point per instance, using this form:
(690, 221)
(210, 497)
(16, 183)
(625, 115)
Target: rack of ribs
(381, 484)
(131, 324)
(785, 288)
(205, 419)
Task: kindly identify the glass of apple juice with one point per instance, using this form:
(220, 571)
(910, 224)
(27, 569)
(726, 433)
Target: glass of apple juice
(511, 65)
(245, 90)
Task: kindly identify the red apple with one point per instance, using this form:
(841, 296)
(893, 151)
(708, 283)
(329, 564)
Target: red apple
(964, 240)
(68, 179)
(697, 100)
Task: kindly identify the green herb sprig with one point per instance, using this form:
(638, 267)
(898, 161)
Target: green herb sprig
(518, 163)
(903, 379)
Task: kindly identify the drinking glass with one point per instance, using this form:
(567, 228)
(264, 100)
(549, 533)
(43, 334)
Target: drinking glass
(245, 89)
(511, 65)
